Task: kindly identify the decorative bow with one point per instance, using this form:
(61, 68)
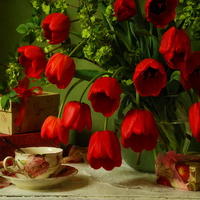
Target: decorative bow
(24, 93)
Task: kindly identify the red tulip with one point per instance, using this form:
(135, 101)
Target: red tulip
(190, 75)
(124, 9)
(104, 150)
(56, 27)
(194, 120)
(139, 130)
(149, 77)
(77, 116)
(175, 47)
(52, 128)
(160, 12)
(105, 95)
(34, 60)
(60, 70)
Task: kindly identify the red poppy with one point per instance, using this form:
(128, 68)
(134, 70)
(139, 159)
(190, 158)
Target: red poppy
(105, 95)
(60, 70)
(52, 128)
(56, 27)
(104, 150)
(139, 130)
(175, 47)
(77, 116)
(194, 120)
(124, 9)
(34, 60)
(190, 72)
(149, 77)
(160, 12)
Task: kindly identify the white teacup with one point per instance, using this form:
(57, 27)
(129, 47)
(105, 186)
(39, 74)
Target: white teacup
(36, 162)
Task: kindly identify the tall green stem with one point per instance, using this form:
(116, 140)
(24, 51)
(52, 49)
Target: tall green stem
(105, 123)
(122, 38)
(77, 47)
(172, 139)
(66, 95)
(68, 45)
(137, 100)
(62, 45)
(119, 70)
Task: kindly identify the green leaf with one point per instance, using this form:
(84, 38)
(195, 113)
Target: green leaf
(155, 46)
(11, 94)
(86, 74)
(36, 21)
(30, 38)
(15, 99)
(76, 34)
(143, 32)
(22, 29)
(173, 85)
(5, 104)
(30, 25)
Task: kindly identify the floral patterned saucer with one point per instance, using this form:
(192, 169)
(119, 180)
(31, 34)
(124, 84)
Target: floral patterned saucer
(55, 180)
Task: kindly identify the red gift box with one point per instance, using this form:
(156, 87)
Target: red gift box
(22, 140)
(179, 171)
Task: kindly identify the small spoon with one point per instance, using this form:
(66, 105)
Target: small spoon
(9, 142)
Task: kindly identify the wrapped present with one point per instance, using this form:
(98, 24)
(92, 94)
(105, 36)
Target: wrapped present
(37, 109)
(179, 171)
(22, 140)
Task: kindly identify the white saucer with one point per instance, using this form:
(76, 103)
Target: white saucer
(40, 184)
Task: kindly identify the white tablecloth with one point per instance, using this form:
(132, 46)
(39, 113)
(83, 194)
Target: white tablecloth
(120, 184)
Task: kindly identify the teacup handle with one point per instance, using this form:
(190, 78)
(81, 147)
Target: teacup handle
(8, 168)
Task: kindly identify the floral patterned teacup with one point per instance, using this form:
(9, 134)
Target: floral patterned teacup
(36, 162)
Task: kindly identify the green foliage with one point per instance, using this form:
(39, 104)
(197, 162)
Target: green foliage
(12, 73)
(190, 15)
(6, 98)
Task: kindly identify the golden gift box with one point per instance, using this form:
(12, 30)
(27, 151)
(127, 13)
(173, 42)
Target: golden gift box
(37, 109)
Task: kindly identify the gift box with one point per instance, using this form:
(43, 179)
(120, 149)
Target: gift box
(22, 140)
(37, 109)
(179, 171)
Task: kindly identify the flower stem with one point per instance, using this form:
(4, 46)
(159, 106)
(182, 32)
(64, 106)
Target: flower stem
(122, 38)
(62, 45)
(172, 139)
(119, 70)
(137, 100)
(77, 47)
(138, 158)
(154, 154)
(91, 81)
(66, 95)
(105, 123)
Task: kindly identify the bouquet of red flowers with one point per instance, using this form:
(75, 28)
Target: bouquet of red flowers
(148, 71)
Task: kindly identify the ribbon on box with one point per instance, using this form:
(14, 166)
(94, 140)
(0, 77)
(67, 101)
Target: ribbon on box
(24, 93)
